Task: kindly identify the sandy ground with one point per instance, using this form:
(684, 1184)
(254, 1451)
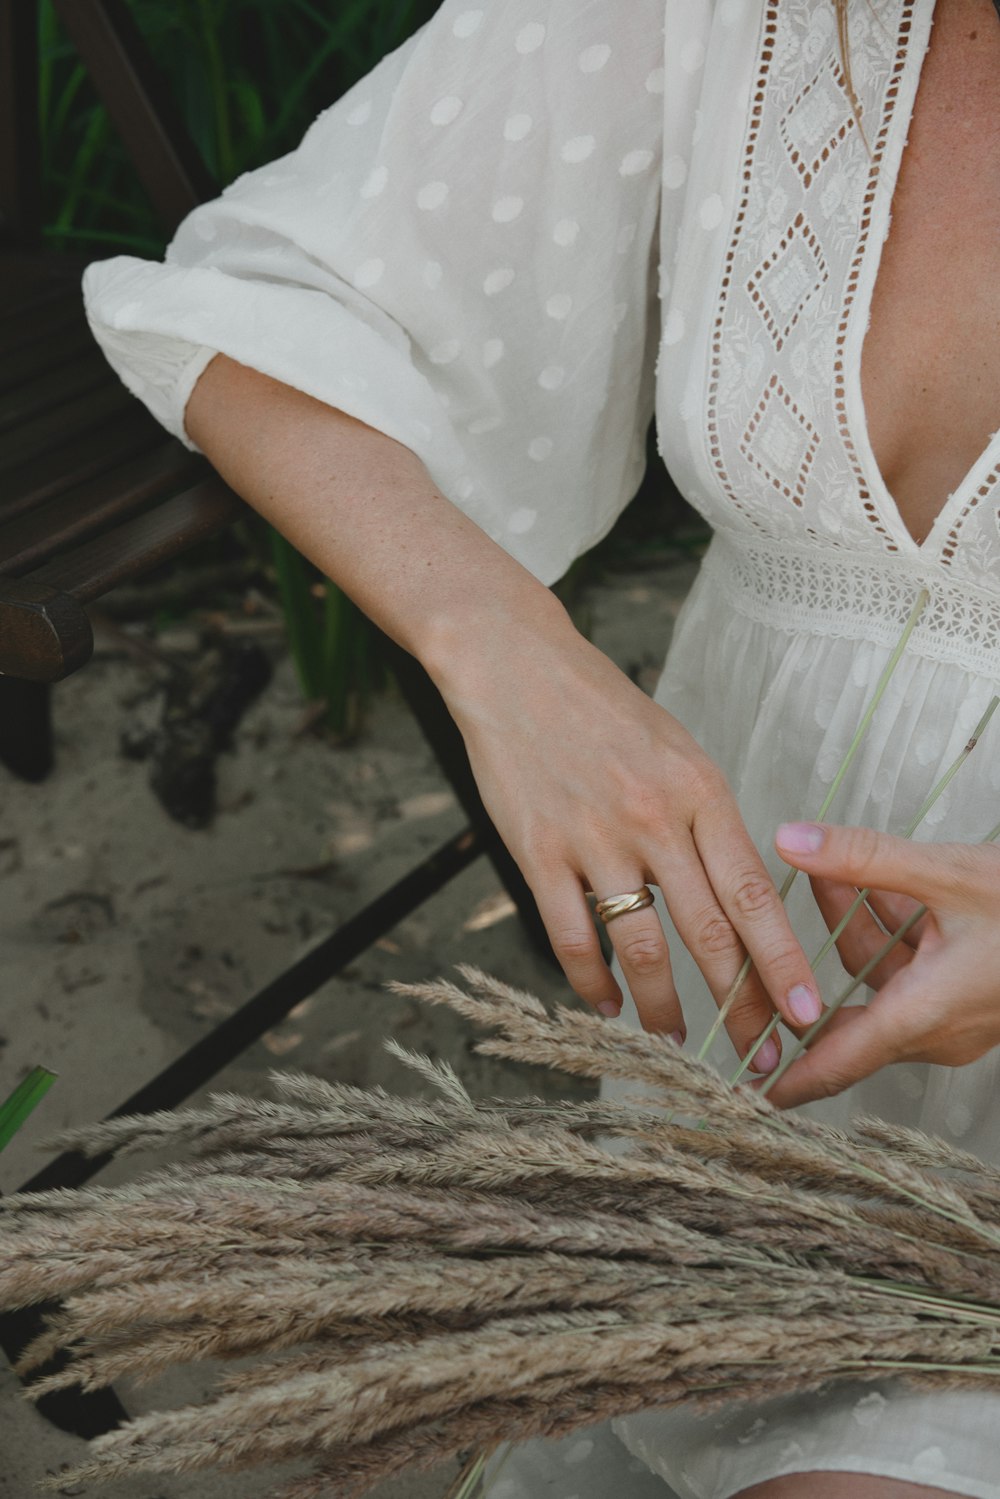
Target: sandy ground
(125, 937)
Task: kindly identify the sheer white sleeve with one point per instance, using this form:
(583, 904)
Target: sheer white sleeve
(462, 253)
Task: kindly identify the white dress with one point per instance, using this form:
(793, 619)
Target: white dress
(527, 229)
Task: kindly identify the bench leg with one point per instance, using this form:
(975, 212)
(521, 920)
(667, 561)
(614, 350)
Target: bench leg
(26, 728)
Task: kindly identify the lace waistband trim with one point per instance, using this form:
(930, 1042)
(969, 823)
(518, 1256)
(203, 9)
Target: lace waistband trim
(858, 597)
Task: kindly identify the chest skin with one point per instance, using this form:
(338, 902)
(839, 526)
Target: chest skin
(931, 358)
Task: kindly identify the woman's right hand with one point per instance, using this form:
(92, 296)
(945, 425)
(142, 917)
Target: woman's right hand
(593, 786)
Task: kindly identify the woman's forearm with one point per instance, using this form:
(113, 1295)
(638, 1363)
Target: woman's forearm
(364, 509)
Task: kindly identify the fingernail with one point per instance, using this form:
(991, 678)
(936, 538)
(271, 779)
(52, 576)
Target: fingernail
(804, 1004)
(677, 1037)
(767, 1058)
(800, 837)
(611, 1008)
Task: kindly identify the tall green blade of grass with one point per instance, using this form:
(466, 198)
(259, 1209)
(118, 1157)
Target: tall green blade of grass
(338, 656)
(305, 635)
(24, 1099)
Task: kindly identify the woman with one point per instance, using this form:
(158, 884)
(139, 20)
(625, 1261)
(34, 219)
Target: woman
(427, 346)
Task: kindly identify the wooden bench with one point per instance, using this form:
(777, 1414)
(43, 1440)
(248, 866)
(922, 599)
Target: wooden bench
(92, 491)
(93, 494)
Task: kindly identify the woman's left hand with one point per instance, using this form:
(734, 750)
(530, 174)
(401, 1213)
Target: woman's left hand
(938, 991)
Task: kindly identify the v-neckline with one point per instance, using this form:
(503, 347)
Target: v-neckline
(895, 121)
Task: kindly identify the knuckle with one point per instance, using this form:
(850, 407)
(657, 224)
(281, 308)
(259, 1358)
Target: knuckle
(648, 806)
(863, 850)
(656, 825)
(746, 1018)
(776, 959)
(831, 1082)
(705, 781)
(543, 853)
(714, 936)
(643, 952)
(752, 893)
(576, 944)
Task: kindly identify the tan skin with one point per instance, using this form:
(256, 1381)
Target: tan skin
(593, 785)
(931, 363)
(932, 382)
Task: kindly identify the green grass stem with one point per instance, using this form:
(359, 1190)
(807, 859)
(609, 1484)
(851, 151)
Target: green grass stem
(863, 895)
(918, 608)
(801, 1044)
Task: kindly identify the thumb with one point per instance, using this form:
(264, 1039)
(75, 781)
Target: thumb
(864, 857)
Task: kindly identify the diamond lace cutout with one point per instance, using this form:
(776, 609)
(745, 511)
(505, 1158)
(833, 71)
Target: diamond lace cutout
(817, 121)
(780, 442)
(781, 286)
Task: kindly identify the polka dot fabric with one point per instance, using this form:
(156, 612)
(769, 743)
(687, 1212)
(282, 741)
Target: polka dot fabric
(528, 227)
(461, 253)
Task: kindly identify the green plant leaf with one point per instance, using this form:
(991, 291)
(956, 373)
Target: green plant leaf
(305, 634)
(24, 1099)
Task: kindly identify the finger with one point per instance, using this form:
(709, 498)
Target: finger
(893, 910)
(863, 937)
(855, 1043)
(753, 908)
(945, 876)
(641, 948)
(570, 925)
(708, 934)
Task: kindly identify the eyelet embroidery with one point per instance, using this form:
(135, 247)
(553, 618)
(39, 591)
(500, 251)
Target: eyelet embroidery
(805, 173)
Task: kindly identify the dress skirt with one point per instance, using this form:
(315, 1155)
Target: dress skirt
(771, 669)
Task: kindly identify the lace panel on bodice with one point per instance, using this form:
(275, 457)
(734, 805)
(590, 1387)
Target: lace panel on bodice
(784, 421)
(856, 596)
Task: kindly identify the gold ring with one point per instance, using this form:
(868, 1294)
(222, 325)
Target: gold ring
(619, 905)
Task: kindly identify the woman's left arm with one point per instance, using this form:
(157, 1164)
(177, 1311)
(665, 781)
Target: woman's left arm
(938, 991)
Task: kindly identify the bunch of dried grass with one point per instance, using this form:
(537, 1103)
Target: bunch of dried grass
(404, 1280)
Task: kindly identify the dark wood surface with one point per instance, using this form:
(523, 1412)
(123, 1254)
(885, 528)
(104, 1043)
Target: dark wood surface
(36, 535)
(140, 106)
(19, 136)
(93, 492)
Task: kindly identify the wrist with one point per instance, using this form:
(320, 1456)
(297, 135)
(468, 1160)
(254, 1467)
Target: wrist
(467, 640)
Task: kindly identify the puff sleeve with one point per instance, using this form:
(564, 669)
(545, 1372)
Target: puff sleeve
(461, 253)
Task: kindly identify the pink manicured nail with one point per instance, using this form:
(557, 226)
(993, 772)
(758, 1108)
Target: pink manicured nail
(611, 1008)
(800, 837)
(804, 1004)
(677, 1037)
(767, 1058)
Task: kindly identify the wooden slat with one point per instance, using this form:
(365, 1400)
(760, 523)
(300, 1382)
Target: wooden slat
(140, 105)
(143, 543)
(37, 535)
(54, 429)
(72, 377)
(25, 324)
(43, 353)
(97, 450)
(20, 157)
